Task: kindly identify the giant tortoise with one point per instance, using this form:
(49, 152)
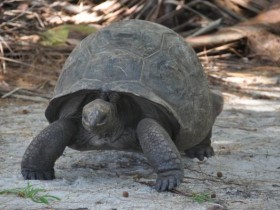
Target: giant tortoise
(134, 85)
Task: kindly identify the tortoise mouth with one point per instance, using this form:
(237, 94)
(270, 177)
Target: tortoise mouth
(97, 127)
(102, 130)
(110, 132)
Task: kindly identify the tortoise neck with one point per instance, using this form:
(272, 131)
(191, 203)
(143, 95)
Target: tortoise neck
(117, 127)
(111, 97)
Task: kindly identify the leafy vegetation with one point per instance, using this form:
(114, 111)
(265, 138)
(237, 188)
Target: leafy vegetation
(35, 194)
(202, 197)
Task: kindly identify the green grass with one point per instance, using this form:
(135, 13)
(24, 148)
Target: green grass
(35, 194)
(202, 197)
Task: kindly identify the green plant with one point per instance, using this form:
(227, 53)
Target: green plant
(202, 197)
(31, 192)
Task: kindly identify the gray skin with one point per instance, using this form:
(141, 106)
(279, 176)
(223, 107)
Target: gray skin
(104, 123)
(136, 86)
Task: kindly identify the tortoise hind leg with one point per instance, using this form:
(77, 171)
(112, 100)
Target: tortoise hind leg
(40, 156)
(204, 149)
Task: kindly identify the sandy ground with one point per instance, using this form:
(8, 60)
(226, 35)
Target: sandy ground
(246, 141)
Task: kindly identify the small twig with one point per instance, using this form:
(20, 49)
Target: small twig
(39, 20)
(3, 62)
(130, 12)
(169, 15)
(11, 92)
(2, 40)
(240, 128)
(30, 98)
(181, 193)
(150, 183)
(205, 52)
(220, 38)
(213, 179)
(2, 52)
(145, 9)
(15, 61)
(232, 14)
(211, 26)
(187, 7)
(225, 55)
(28, 95)
(18, 16)
(154, 11)
(198, 197)
(183, 25)
(201, 179)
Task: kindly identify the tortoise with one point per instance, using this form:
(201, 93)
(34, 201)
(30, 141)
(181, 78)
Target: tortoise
(136, 86)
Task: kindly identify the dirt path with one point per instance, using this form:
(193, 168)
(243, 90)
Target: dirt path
(246, 140)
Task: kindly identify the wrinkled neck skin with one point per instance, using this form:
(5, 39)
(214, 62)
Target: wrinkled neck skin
(114, 129)
(101, 118)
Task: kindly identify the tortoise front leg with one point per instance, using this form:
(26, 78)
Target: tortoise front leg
(162, 154)
(40, 156)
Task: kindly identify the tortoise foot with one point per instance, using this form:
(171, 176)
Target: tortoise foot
(168, 180)
(30, 174)
(199, 152)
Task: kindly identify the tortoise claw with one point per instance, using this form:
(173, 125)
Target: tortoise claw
(200, 152)
(168, 180)
(29, 174)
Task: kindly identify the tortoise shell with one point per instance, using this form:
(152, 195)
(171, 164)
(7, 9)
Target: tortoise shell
(146, 60)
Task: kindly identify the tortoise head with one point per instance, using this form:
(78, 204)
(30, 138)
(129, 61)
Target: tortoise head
(99, 117)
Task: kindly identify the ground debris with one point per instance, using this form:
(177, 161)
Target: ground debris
(250, 169)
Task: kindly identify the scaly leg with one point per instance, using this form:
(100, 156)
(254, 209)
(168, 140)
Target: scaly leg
(40, 156)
